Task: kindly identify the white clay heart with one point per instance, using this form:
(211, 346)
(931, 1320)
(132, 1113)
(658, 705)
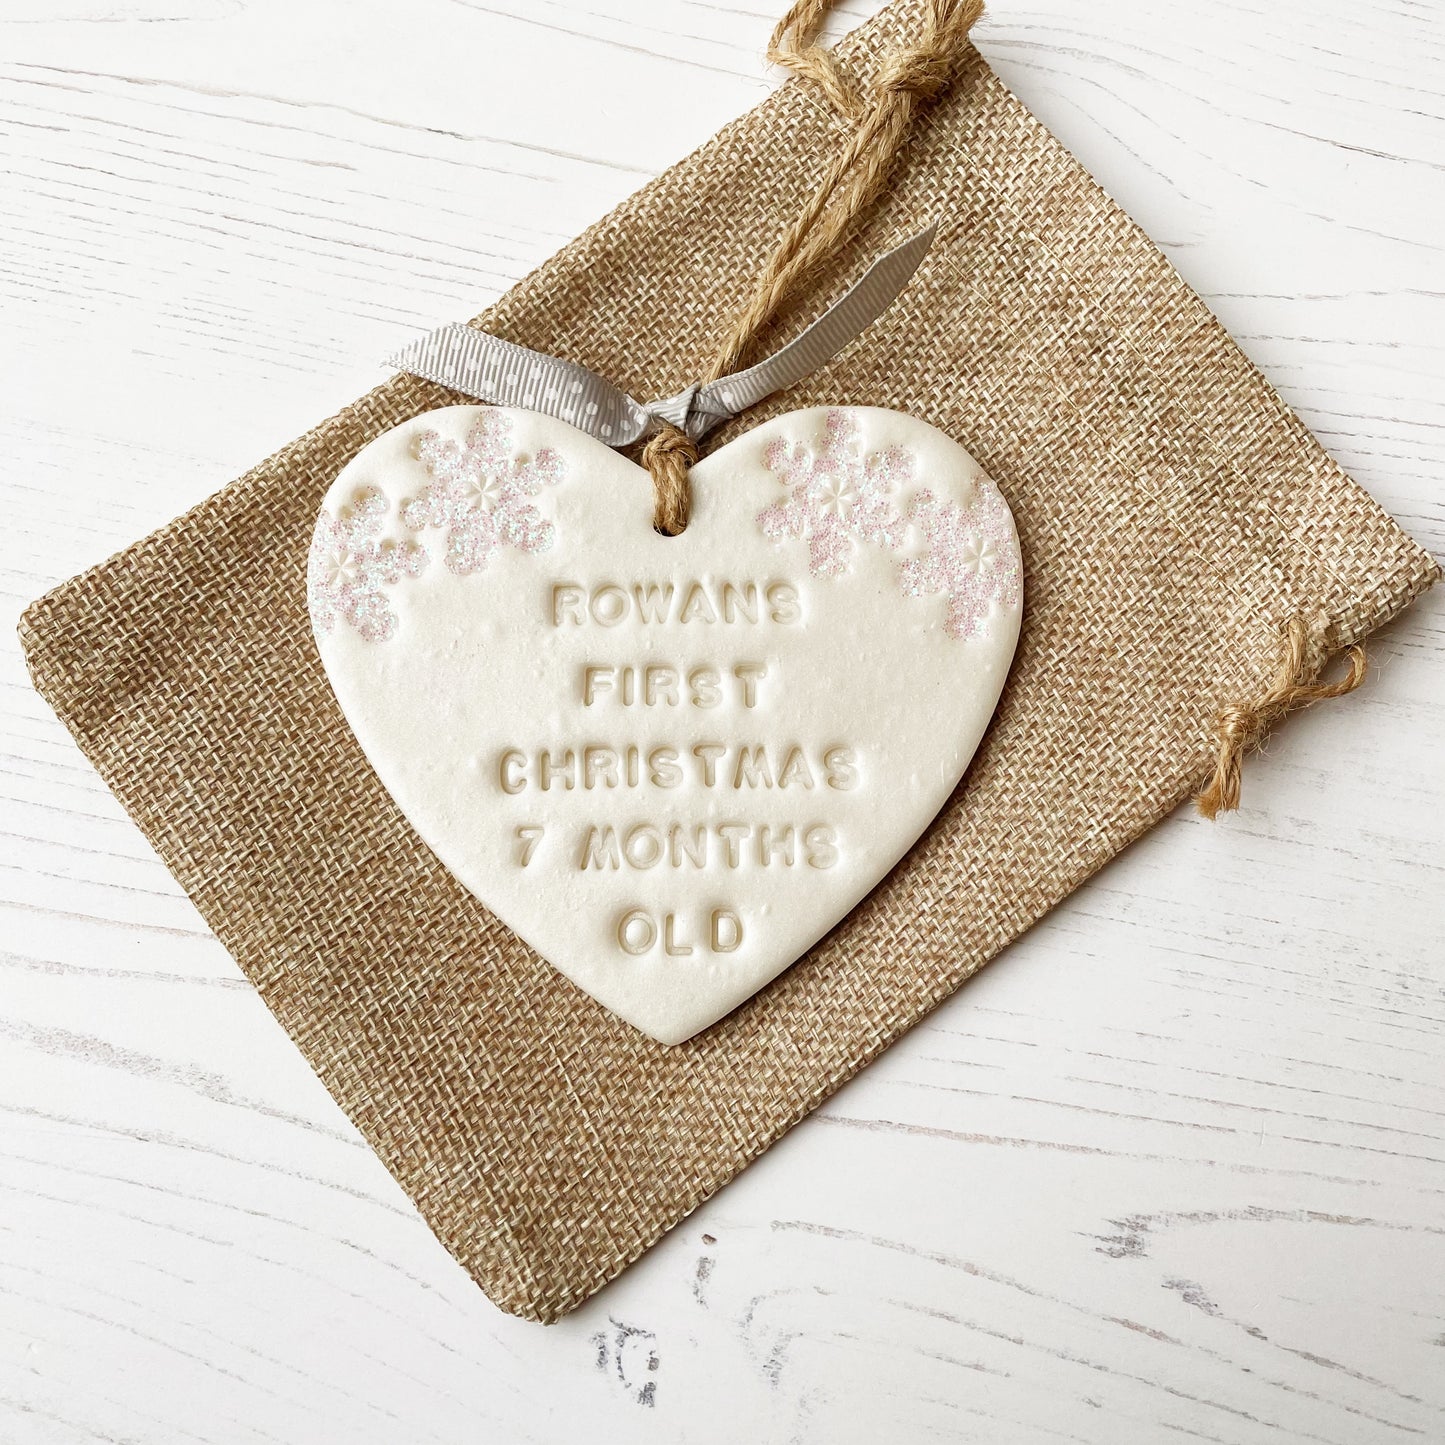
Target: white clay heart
(670, 764)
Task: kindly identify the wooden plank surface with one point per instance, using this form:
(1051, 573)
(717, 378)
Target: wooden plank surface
(1173, 1168)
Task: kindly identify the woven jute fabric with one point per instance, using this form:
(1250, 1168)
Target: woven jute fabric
(1174, 516)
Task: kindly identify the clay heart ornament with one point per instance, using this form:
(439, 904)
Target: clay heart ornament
(670, 764)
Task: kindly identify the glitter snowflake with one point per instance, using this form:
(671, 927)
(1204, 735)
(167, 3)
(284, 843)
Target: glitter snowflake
(348, 567)
(838, 496)
(479, 493)
(970, 556)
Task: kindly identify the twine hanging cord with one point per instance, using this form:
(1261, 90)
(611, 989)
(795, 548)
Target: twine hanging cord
(1243, 726)
(852, 182)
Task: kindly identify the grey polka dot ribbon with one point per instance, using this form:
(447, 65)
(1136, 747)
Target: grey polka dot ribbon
(470, 360)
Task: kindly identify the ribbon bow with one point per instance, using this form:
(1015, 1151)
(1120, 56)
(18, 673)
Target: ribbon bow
(500, 372)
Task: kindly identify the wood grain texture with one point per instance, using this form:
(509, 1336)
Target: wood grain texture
(1173, 1168)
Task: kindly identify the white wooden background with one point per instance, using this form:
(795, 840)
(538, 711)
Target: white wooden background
(1171, 1169)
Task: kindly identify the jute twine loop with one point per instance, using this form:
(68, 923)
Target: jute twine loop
(794, 46)
(668, 455)
(853, 180)
(1243, 726)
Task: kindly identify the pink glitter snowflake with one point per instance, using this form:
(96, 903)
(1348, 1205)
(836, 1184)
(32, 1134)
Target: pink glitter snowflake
(838, 496)
(479, 493)
(348, 567)
(971, 556)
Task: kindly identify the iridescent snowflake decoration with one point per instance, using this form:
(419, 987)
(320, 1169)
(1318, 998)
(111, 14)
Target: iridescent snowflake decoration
(479, 493)
(971, 556)
(838, 496)
(348, 566)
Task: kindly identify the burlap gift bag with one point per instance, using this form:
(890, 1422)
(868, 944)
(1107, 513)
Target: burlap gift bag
(1176, 520)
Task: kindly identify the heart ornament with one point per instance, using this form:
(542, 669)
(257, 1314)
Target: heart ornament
(669, 764)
